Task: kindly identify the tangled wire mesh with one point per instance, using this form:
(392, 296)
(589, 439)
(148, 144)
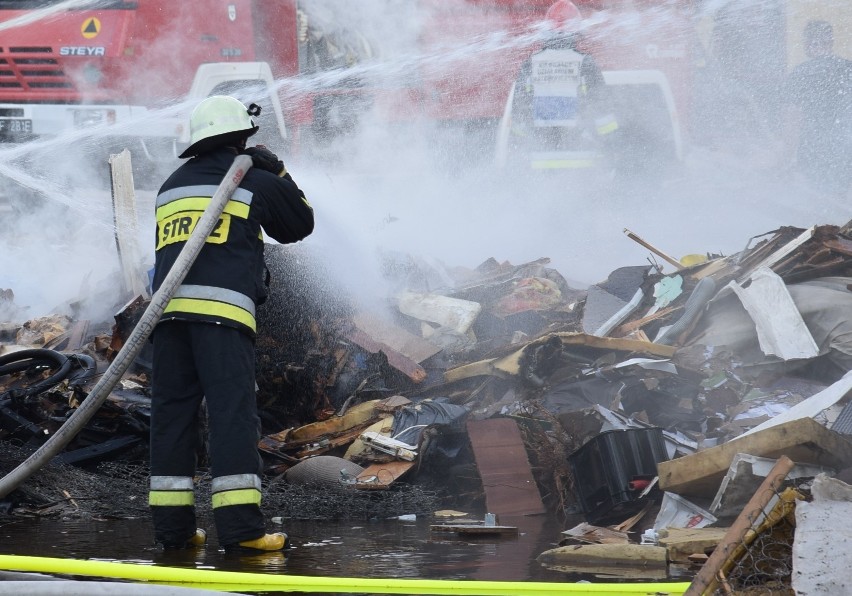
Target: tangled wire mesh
(762, 562)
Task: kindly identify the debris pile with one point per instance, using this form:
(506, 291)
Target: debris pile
(655, 402)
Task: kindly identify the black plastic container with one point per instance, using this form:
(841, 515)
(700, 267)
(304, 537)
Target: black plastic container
(611, 470)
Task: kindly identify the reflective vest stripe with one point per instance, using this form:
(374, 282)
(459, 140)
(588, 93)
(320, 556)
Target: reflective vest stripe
(606, 125)
(235, 481)
(196, 198)
(217, 294)
(171, 498)
(234, 208)
(172, 483)
(241, 195)
(212, 308)
(244, 496)
(217, 302)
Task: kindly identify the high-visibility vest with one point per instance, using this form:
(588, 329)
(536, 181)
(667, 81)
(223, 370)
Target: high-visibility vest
(218, 290)
(556, 87)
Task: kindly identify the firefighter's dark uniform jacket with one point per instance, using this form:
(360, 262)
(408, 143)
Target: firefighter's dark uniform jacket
(204, 344)
(227, 280)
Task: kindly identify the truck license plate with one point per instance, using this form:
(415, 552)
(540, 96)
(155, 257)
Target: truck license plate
(12, 126)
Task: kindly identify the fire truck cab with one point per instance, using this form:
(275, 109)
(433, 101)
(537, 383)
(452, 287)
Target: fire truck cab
(130, 71)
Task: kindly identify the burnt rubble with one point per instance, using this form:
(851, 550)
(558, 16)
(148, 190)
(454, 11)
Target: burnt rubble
(662, 390)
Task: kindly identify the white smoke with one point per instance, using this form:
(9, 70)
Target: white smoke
(398, 180)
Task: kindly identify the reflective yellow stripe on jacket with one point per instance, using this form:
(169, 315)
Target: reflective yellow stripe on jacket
(218, 302)
(195, 198)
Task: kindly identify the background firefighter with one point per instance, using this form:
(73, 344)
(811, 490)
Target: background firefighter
(817, 132)
(204, 343)
(562, 116)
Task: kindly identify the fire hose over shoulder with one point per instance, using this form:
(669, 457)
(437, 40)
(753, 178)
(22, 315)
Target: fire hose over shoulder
(140, 333)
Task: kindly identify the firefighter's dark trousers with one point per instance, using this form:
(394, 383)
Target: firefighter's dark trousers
(195, 361)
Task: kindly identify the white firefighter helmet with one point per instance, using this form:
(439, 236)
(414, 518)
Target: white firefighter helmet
(217, 121)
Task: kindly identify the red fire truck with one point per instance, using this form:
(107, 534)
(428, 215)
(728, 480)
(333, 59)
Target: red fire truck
(66, 67)
(138, 66)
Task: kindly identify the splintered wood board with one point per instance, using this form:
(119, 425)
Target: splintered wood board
(475, 529)
(504, 468)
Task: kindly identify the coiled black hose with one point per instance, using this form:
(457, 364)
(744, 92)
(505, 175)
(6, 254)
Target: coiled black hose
(25, 359)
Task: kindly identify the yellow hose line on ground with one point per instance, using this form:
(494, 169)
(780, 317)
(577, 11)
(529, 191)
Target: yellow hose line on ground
(233, 581)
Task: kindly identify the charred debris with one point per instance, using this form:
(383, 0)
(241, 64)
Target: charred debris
(655, 401)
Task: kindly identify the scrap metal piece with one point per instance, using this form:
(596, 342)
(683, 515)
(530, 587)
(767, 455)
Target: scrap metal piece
(388, 445)
(781, 331)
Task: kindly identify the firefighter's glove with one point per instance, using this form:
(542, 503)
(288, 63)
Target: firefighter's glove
(264, 159)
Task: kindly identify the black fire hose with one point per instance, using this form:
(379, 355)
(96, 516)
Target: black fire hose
(25, 359)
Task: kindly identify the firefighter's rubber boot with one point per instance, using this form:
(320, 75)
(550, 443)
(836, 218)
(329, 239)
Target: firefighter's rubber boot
(198, 539)
(276, 541)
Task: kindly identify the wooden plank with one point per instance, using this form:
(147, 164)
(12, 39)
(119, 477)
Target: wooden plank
(717, 268)
(606, 554)
(511, 364)
(596, 534)
(73, 339)
(841, 245)
(804, 441)
(382, 476)
(475, 529)
(782, 252)
(126, 225)
(682, 543)
(504, 468)
(398, 339)
(359, 415)
(327, 444)
(402, 363)
(628, 328)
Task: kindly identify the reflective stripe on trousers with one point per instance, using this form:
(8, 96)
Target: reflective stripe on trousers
(238, 489)
(171, 491)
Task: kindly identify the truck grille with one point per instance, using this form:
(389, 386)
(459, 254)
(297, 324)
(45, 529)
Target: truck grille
(23, 67)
